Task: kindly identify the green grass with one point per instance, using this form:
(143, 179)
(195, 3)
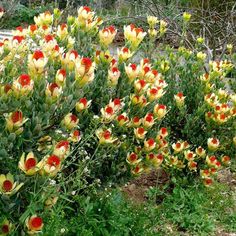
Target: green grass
(189, 210)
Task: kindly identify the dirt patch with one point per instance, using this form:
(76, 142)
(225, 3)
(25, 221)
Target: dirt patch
(136, 189)
(227, 177)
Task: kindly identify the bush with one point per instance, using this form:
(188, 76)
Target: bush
(73, 115)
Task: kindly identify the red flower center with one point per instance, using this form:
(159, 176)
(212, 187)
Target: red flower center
(163, 130)
(193, 164)
(125, 50)
(48, 38)
(178, 145)
(121, 117)
(115, 70)
(19, 39)
(52, 87)
(87, 62)
(112, 29)
(75, 53)
(151, 142)
(153, 91)
(36, 222)
(63, 72)
(142, 82)
(73, 118)
(149, 118)
(30, 163)
(19, 28)
(155, 72)
(190, 155)
(133, 157)
(146, 60)
(7, 185)
(136, 119)
(146, 69)
(84, 101)
(17, 116)
(141, 130)
(7, 88)
(24, 80)
(33, 28)
(44, 27)
(151, 156)
(109, 110)
(162, 106)
(214, 141)
(160, 157)
(107, 134)
(53, 160)
(86, 8)
(133, 66)
(212, 158)
(56, 48)
(63, 26)
(208, 181)
(38, 55)
(200, 149)
(63, 143)
(116, 101)
(5, 228)
(76, 133)
(180, 95)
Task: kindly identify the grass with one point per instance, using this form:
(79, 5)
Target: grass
(189, 210)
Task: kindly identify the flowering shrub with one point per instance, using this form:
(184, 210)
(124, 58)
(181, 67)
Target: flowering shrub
(72, 112)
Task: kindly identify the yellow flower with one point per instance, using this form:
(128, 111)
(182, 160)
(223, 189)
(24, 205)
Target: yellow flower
(163, 28)
(134, 35)
(34, 224)
(201, 56)
(29, 165)
(7, 184)
(15, 121)
(179, 98)
(160, 111)
(105, 136)
(229, 47)
(152, 33)
(37, 62)
(84, 71)
(213, 144)
(5, 227)
(50, 166)
(152, 21)
(200, 151)
(186, 16)
(23, 85)
(133, 159)
(124, 54)
(113, 76)
(132, 71)
(70, 121)
(178, 147)
(200, 40)
(107, 35)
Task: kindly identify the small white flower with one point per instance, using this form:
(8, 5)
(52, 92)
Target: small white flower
(52, 182)
(73, 193)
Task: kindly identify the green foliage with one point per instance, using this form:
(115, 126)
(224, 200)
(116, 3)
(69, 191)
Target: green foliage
(22, 15)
